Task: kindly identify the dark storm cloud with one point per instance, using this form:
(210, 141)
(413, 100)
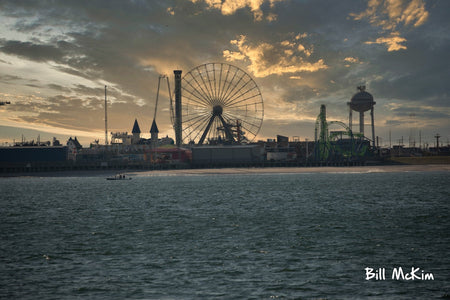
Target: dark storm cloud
(300, 94)
(419, 72)
(104, 35)
(82, 73)
(84, 90)
(423, 113)
(72, 112)
(8, 78)
(392, 123)
(19, 81)
(32, 51)
(33, 85)
(58, 87)
(127, 44)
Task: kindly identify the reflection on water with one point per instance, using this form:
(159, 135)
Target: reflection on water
(233, 236)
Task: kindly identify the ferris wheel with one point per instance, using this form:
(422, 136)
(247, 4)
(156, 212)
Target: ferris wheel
(221, 103)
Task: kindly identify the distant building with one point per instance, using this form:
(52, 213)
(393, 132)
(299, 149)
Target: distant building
(135, 139)
(227, 154)
(154, 134)
(32, 154)
(73, 147)
(124, 139)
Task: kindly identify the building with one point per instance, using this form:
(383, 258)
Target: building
(211, 155)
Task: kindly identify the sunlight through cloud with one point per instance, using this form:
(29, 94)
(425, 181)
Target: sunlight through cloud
(273, 59)
(229, 7)
(391, 15)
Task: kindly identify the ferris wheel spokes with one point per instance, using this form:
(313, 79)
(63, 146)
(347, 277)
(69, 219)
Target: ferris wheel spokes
(221, 103)
(201, 94)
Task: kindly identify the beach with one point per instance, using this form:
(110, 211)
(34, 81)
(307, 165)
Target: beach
(217, 171)
(281, 170)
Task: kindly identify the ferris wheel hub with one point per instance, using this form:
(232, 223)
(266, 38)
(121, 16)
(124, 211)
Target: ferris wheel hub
(217, 110)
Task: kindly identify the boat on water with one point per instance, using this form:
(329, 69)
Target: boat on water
(118, 177)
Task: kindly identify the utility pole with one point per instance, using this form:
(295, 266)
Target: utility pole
(437, 136)
(306, 142)
(420, 139)
(390, 141)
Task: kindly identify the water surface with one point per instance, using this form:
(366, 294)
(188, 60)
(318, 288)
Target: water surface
(224, 236)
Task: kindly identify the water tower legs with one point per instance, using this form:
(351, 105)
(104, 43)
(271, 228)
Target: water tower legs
(350, 118)
(361, 122)
(373, 128)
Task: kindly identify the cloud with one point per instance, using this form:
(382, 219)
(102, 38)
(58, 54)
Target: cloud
(415, 115)
(391, 16)
(32, 51)
(305, 56)
(285, 57)
(78, 111)
(8, 78)
(351, 59)
(4, 62)
(393, 42)
(229, 7)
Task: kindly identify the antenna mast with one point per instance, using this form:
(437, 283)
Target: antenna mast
(106, 119)
(157, 96)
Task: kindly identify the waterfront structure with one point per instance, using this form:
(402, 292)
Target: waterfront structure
(217, 111)
(136, 133)
(32, 154)
(154, 134)
(125, 139)
(222, 104)
(337, 145)
(362, 102)
(321, 148)
(178, 118)
(210, 155)
(73, 147)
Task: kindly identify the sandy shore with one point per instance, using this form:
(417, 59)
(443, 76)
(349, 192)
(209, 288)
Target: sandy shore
(362, 169)
(288, 170)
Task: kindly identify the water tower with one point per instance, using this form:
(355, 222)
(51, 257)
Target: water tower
(362, 102)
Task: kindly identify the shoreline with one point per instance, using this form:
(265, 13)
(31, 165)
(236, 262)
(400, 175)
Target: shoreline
(298, 170)
(236, 171)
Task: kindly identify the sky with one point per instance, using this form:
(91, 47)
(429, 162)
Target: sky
(57, 56)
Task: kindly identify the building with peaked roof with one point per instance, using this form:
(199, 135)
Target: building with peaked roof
(73, 147)
(125, 139)
(74, 143)
(154, 133)
(136, 133)
(154, 128)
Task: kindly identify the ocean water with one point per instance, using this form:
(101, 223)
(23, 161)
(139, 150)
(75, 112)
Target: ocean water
(243, 236)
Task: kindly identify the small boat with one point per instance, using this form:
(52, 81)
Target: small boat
(118, 177)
